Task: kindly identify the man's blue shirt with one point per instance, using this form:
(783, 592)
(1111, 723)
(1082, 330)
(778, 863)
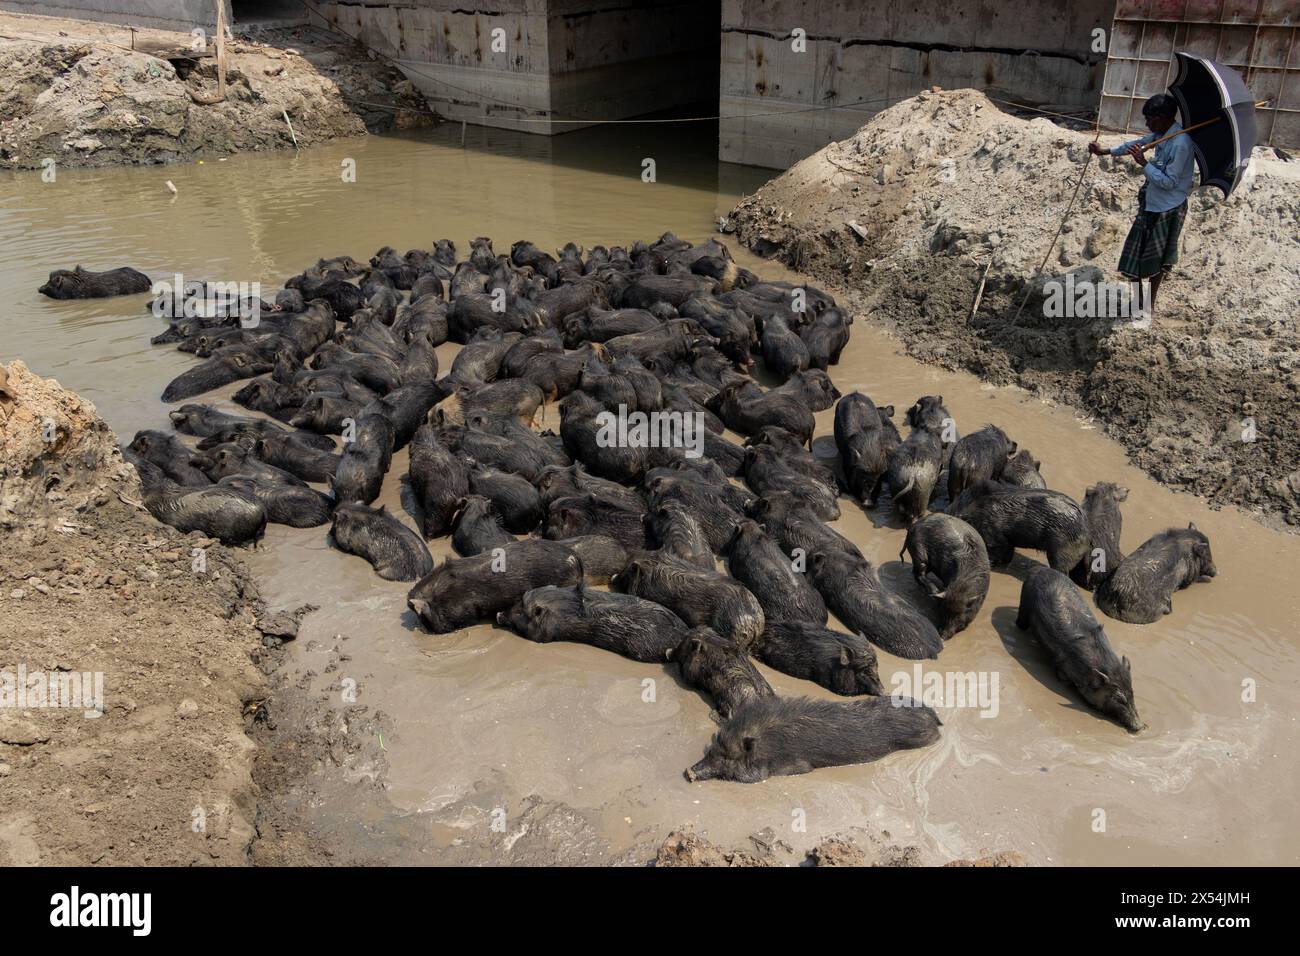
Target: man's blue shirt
(1170, 171)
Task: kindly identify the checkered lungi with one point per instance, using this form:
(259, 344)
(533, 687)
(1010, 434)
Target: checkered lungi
(1152, 244)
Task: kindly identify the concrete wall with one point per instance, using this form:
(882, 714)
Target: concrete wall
(863, 56)
(446, 50)
(625, 58)
(159, 14)
(563, 59)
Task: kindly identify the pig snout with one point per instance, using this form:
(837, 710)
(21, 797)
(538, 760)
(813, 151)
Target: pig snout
(701, 771)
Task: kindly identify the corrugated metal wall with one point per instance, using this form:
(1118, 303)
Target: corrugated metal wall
(1256, 37)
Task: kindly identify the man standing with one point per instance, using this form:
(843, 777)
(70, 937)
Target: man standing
(1151, 248)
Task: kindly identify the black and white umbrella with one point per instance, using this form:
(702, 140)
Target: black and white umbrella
(1218, 114)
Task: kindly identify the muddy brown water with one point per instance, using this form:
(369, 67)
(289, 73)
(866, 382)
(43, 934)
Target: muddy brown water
(481, 718)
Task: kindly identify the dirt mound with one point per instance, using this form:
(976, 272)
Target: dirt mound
(943, 191)
(125, 656)
(86, 98)
(57, 457)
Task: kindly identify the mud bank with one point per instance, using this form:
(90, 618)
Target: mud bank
(91, 94)
(144, 760)
(943, 191)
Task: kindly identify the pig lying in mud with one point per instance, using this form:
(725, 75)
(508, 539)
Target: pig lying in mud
(621, 623)
(463, 592)
(228, 514)
(854, 592)
(697, 595)
(205, 421)
(80, 283)
(777, 736)
(292, 505)
(1142, 588)
(476, 527)
(221, 369)
(757, 562)
(720, 667)
(842, 663)
(167, 452)
(395, 551)
(950, 562)
(1052, 609)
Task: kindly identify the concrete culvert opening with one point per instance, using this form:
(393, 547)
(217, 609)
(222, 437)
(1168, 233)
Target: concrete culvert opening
(269, 13)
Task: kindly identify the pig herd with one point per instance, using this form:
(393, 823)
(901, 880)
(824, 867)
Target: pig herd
(714, 554)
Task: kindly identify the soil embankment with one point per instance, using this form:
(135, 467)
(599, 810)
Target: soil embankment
(92, 94)
(908, 215)
(126, 656)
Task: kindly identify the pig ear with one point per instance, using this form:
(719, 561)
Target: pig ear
(1121, 494)
(889, 410)
(1191, 526)
(846, 659)
(1012, 452)
(1099, 678)
(1127, 668)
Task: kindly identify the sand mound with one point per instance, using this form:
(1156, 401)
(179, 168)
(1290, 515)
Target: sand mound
(944, 189)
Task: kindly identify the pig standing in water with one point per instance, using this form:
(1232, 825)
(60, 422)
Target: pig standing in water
(980, 456)
(866, 438)
(1052, 609)
(1143, 586)
(950, 562)
(1012, 517)
(774, 736)
(914, 465)
(1101, 508)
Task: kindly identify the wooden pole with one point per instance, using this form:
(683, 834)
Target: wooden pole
(221, 50)
(1188, 129)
